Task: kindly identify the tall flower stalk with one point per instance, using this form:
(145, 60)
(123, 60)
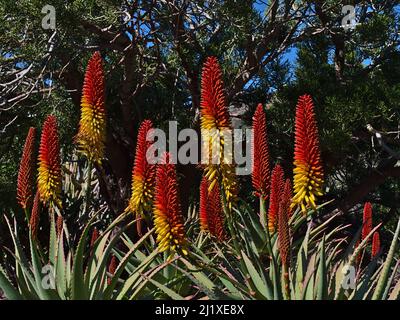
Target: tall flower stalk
(308, 171)
(215, 127)
(211, 217)
(168, 220)
(261, 172)
(92, 125)
(49, 176)
(91, 135)
(284, 234)
(376, 244)
(260, 175)
(143, 175)
(366, 228)
(277, 184)
(367, 220)
(25, 173)
(35, 216)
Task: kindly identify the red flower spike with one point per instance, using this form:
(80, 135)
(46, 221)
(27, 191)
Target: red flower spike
(92, 125)
(367, 220)
(59, 225)
(376, 244)
(95, 236)
(214, 111)
(277, 183)
(49, 177)
(211, 217)
(215, 122)
(25, 173)
(308, 171)
(143, 174)
(35, 217)
(112, 267)
(283, 224)
(168, 220)
(261, 171)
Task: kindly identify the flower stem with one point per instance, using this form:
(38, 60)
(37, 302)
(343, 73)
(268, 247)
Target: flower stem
(263, 214)
(88, 187)
(27, 216)
(285, 274)
(274, 266)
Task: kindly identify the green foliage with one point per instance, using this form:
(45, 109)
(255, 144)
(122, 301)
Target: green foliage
(214, 270)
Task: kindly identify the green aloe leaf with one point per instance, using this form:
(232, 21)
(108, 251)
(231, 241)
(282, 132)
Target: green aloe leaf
(7, 287)
(124, 261)
(383, 278)
(322, 276)
(256, 278)
(172, 294)
(44, 293)
(61, 269)
(79, 290)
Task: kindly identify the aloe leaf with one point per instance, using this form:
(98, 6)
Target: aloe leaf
(256, 278)
(172, 294)
(60, 269)
(301, 264)
(124, 261)
(44, 293)
(24, 275)
(200, 276)
(79, 291)
(5, 284)
(135, 275)
(234, 293)
(193, 275)
(308, 282)
(389, 283)
(365, 282)
(99, 284)
(395, 294)
(94, 261)
(322, 291)
(382, 282)
(142, 286)
(53, 241)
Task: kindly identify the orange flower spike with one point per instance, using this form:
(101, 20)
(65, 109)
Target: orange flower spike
(367, 220)
(143, 174)
(308, 171)
(284, 235)
(93, 239)
(211, 217)
(376, 244)
(215, 121)
(261, 170)
(35, 217)
(25, 173)
(168, 220)
(214, 111)
(277, 184)
(283, 223)
(92, 125)
(204, 202)
(49, 176)
(112, 267)
(59, 225)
